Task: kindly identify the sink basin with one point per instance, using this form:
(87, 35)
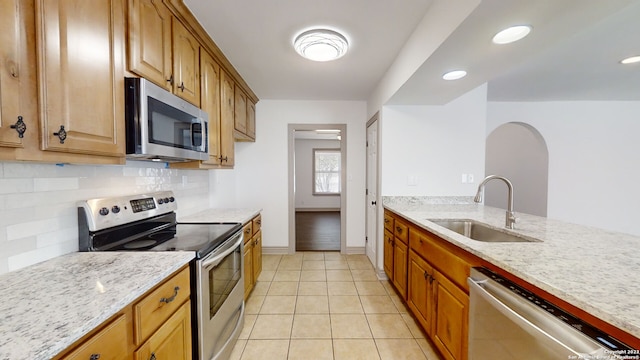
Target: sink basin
(481, 232)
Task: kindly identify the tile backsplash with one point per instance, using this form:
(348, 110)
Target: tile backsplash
(38, 202)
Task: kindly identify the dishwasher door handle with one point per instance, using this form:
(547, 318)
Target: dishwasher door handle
(478, 288)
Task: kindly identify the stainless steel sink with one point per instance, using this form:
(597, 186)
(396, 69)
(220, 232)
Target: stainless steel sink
(481, 232)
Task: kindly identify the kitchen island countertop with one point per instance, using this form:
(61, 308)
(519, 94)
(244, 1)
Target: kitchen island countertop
(595, 270)
(47, 307)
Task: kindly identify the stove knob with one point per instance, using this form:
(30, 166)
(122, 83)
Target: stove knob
(160, 201)
(172, 199)
(115, 209)
(166, 200)
(104, 211)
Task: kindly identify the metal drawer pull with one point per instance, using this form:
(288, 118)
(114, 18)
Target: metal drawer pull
(61, 134)
(94, 357)
(168, 300)
(153, 356)
(20, 127)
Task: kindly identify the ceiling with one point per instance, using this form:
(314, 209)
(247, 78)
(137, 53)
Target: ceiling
(571, 54)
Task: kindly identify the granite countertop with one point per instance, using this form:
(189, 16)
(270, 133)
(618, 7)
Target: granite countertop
(46, 307)
(595, 270)
(221, 215)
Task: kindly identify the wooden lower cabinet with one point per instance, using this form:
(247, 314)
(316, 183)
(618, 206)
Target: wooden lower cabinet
(388, 254)
(434, 283)
(252, 253)
(172, 340)
(451, 318)
(155, 326)
(110, 343)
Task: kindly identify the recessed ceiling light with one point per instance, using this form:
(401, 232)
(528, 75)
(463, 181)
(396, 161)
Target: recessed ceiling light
(454, 75)
(511, 34)
(321, 45)
(631, 60)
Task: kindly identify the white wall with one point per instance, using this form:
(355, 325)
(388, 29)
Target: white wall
(260, 177)
(594, 157)
(435, 145)
(304, 175)
(38, 211)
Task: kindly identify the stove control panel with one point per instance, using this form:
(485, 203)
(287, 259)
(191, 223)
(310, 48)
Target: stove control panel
(104, 213)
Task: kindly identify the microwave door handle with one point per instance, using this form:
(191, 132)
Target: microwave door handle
(203, 135)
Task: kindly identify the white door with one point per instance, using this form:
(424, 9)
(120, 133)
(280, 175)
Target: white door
(372, 191)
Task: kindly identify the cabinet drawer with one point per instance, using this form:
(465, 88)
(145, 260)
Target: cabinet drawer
(173, 339)
(401, 231)
(257, 224)
(156, 307)
(247, 231)
(448, 259)
(388, 221)
(110, 343)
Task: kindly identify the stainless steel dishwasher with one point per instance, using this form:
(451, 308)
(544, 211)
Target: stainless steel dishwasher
(509, 322)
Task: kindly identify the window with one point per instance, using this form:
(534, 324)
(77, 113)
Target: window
(326, 171)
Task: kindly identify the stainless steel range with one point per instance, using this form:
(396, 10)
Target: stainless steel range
(147, 222)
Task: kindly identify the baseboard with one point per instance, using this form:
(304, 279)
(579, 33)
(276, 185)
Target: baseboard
(318, 210)
(355, 250)
(382, 275)
(275, 250)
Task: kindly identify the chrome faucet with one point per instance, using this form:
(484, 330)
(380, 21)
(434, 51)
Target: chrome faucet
(510, 218)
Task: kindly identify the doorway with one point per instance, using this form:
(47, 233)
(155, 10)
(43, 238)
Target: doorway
(372, 191)
(317, 187)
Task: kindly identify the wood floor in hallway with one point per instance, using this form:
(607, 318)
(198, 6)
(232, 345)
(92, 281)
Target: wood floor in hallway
(318, 231)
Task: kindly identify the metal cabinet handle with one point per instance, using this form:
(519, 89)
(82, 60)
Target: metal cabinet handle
(181, 87)
(61, 134)
(153, 356)
(20, 127)
(374, 202)
(386, 221)
(399, 229)
(94, 357)
(168, 300)
(225, 159)
(170, 80)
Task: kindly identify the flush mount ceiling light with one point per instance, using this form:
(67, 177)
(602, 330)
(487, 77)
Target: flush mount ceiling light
(454, 75)
(630, 60)
(511, 34)
(321, 45)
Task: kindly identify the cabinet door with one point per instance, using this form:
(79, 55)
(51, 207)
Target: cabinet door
(172, 340)
(419, 292)
(226, 119)
(388, 254)
(149, 35)
(186, 64)
(251, 119)
(210, 101)
(240, 108)
(110, 343)
(248, 268)
(13, 43)
(81, 71)
(257, 255)
(400, 256)
(451, 319)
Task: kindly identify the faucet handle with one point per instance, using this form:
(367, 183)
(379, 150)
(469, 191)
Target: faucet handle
(510, 219)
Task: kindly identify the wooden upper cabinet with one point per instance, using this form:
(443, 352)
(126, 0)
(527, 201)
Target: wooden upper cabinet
(240, 115)
(210, 102)
(81, 75)
(149, 37)
(12, 46)
(186, 64)
(227, 146)
(251, 119)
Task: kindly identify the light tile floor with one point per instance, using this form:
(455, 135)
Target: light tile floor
(324, 305)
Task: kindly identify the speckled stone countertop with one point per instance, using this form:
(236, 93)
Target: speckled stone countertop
(221, 215)
(46, 307)
(595, 270)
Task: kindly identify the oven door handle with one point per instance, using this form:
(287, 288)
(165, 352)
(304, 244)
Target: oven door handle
(215, 257)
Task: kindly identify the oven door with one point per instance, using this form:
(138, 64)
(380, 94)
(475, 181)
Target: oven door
(220, 301)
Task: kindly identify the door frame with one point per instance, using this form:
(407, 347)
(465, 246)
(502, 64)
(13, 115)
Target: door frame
(291, 133)
(373, 237)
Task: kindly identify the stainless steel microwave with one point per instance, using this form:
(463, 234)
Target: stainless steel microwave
(160, 126)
